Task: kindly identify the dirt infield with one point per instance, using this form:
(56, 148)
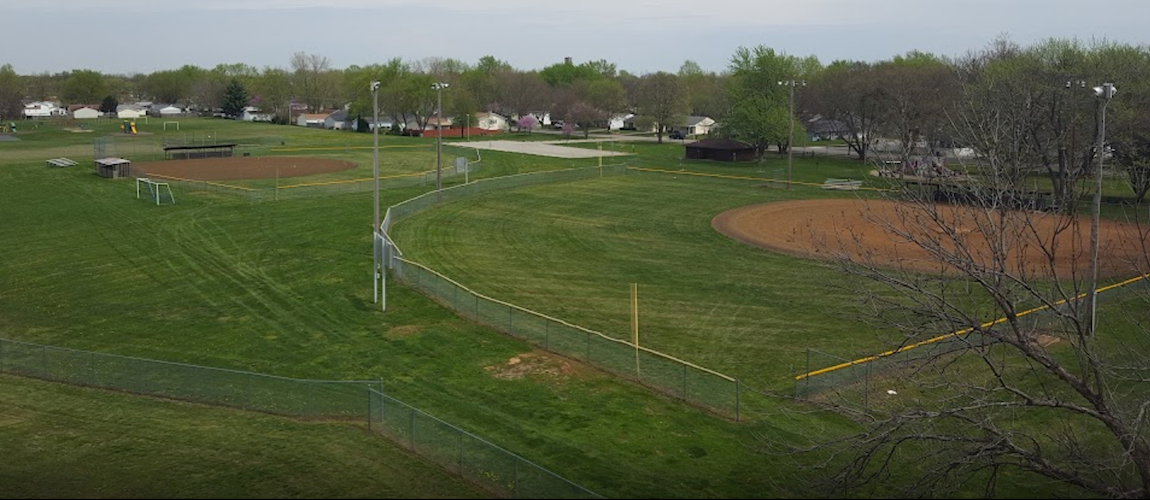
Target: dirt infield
(829, 229)
(240, 167)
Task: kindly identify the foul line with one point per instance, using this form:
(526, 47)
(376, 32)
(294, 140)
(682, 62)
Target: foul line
(229, 186)
(959, 332)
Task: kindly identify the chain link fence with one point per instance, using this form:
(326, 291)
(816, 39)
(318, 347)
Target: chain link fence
(700, 386)
(476, 460)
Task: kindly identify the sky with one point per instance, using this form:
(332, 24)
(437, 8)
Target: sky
(640, 36)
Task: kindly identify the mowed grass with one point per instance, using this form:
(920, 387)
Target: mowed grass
(572, 250)
(67, 442)
(283, 289)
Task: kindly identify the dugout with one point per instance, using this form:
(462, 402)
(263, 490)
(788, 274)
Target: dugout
(721, 150)
(202, 151)
(113, 168)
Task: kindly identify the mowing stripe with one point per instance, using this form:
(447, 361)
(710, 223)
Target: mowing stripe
(958, 332)
(341, 148)
(738, 177)
(559, 321)
(229, 186)
(350, 181)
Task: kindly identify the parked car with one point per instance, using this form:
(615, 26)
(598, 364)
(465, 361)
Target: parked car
(675, 134)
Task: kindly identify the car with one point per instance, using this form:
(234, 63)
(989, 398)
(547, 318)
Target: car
(675, 134)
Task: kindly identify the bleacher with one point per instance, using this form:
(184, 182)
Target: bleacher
(846, 184)
(62, 162)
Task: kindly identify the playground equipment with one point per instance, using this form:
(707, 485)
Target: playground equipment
(128, 127)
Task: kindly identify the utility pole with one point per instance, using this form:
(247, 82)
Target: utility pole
(791, 136)
(1105, 92)
(439, 86)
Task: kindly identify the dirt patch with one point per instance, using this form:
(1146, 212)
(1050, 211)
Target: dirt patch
(532, 364)
(396, 332)
(241, 167)
(868, 230)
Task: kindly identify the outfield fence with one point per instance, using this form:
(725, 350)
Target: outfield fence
(313, 189)
(476, 460)
(700, 386)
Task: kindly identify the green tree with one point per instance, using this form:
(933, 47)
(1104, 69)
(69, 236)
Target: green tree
(662, 101)
(759, 106)
(235, 98)
(84, 86)
(109, 104)
(11, 93)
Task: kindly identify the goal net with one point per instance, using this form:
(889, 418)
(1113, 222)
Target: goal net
(159, 192)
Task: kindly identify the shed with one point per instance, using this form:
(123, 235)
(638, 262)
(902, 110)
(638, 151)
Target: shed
(113, 168)
(721, 150)
(85, 113)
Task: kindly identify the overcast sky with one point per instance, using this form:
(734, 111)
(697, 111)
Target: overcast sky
(640, 36)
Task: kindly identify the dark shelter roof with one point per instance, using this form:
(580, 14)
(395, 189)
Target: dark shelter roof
(719, 143)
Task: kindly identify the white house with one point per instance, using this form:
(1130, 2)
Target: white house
(490, 121)
(86, 113)
(311, 120)
(253, 114)
(697, 125)
(618, 122)
(130, 112)
(169, 111)
(43, 109)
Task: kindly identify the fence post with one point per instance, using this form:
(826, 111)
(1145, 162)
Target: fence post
(684, 381)
(44, 361)
(477, 308)
(738, 405)
(461, 454)
(369, 415)
(588, 357)
(248, 399)
(307, 400)
(546, 333)
(510, 320)
(411, 430)
(516, 476)
(866, 388)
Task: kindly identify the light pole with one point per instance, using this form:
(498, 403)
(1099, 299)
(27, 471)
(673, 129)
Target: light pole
(1105, 92)
(376, 236)
(791, 135)
(439, 86)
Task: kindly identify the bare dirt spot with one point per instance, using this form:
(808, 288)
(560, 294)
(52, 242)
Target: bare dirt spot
(241, 167)
(401, 331)
(533, 364)
(838, 228)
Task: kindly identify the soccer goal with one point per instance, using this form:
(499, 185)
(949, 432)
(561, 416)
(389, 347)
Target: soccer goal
(160, 192)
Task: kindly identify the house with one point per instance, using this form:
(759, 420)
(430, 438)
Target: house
(433, 122)
(696, 125)
(253, 114)
(619, 122)
(43, 109)
(337, 120)
(385, 123)
(311, 120)
(129, 112)
(85, 113)
(170, 111)
(491, 121)
(823, 129)
(721, 150)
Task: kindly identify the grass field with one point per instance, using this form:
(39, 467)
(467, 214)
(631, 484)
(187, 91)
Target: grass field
(283, 289)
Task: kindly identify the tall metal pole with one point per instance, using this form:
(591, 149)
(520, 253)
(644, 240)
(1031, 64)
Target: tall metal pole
(1106, 91)
(791, 136)
(378, 283)
(375, 150)
(438, 136)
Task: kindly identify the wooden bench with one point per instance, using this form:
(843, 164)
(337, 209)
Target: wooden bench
(61, 162)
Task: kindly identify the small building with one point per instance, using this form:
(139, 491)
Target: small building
(337, 120)
(719, 149)
(490, 121)
(113, 168)
(85, 113)
(315, 120)
(130, 112)
(43, 109)
(619, 122)
(697, 125)
(254, 114)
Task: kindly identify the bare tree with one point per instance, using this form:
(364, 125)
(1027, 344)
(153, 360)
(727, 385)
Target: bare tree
(311, 84)
(662, 100)
(1002, 370)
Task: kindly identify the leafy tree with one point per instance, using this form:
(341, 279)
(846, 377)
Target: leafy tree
(11, 94)
(661, 99)
(846, 94)
(526, 122)
(759, 106)
(84, 86)
(565, 73)
(109, 104)
(235, 99)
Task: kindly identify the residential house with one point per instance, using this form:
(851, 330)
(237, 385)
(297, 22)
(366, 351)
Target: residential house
(619, 122)
(337, 120)
(823, 129)
(697, 125)
(253, 114)
(43, 109)
(85, 112)
(490, 121)
(433, 122)
(129, 112)
(315, 120)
